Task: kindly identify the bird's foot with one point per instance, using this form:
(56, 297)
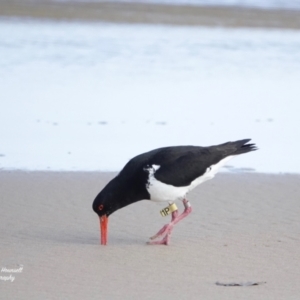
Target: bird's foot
(166, 229)
(164, 241)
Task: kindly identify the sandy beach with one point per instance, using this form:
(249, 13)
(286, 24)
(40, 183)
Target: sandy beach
(216, 16)
(244, 227)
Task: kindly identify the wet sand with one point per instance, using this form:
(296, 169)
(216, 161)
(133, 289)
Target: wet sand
(244, 227)
(151, 14)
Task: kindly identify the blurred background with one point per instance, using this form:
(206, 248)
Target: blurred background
(87, 85)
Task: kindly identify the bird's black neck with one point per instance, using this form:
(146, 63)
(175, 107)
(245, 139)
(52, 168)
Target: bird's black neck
(121, 192)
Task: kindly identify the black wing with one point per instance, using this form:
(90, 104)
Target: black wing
(194, 161)
(186, 168)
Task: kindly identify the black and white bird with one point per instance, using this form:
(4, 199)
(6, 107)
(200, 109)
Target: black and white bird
(164, 175)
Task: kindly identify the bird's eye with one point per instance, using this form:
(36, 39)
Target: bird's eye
(100, 207)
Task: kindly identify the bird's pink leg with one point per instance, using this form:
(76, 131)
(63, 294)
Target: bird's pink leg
(169, 227)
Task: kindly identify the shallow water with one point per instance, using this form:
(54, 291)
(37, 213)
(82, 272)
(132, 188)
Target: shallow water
(78, 96)
(278, 4)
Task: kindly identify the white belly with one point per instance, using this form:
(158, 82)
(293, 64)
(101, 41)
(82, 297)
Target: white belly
(160, 191)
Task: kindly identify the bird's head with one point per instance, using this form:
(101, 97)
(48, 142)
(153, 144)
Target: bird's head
(104, 205)
(116, 194)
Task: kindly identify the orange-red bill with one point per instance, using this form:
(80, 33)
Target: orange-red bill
(103, 229)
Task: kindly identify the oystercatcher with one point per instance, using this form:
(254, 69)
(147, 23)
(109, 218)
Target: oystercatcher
(165, 175)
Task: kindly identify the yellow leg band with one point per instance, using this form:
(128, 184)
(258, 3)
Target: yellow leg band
(169, 209)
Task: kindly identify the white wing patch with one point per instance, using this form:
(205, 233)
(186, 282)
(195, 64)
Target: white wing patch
(161, 192)
(212, 170)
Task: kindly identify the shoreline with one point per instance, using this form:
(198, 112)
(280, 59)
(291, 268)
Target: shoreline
(143, 13)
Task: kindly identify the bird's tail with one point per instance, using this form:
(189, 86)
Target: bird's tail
(242, 146)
